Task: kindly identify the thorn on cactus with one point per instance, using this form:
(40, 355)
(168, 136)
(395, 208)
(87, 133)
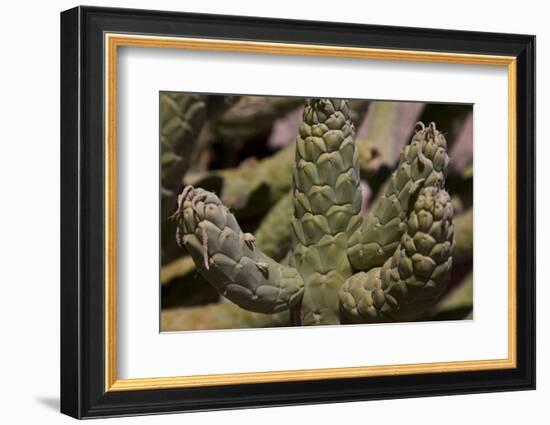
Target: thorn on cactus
(249, 239)
(419, 126)
(205, 246)
(263, 267)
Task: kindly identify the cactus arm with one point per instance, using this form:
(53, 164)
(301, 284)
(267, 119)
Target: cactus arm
(327, 201)
(415, 276)
(180, 267)
(229, 259)
(272, 237)
(423, 163)
(182, 118)
(253, 115)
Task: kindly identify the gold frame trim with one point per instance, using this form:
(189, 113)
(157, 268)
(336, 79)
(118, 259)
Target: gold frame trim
(113, 41)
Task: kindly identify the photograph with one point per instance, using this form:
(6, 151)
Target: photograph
(262, 211)
(292, 211)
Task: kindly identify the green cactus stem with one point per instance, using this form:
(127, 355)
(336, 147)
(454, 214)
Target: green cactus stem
(417, 273)
(357, 110)
(255, 186)
(390, 265)
(229, 259)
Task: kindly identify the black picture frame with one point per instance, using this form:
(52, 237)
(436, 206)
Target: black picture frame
(83, 392)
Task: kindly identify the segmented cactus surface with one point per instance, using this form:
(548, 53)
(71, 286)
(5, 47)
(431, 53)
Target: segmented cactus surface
(327, 201)
(229, 259)
(422, 163)
(252, 187)
(390, 265)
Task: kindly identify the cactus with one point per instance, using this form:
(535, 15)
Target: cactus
(182, 118)
(273, 236)
(389, 265)
(252, 187)
(255, 185)
(252, 115)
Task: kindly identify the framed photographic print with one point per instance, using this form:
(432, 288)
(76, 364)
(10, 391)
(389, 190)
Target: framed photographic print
(262, 212)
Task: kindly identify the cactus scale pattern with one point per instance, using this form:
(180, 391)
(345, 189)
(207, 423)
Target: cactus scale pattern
(183, 116)
(343, 267)
(228, 259)
(327, 202)
(416, 274)
(423, 162)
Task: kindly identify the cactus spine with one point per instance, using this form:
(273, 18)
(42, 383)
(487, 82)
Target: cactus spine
(390, 265)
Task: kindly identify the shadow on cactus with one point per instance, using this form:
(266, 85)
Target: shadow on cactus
(390, 264)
